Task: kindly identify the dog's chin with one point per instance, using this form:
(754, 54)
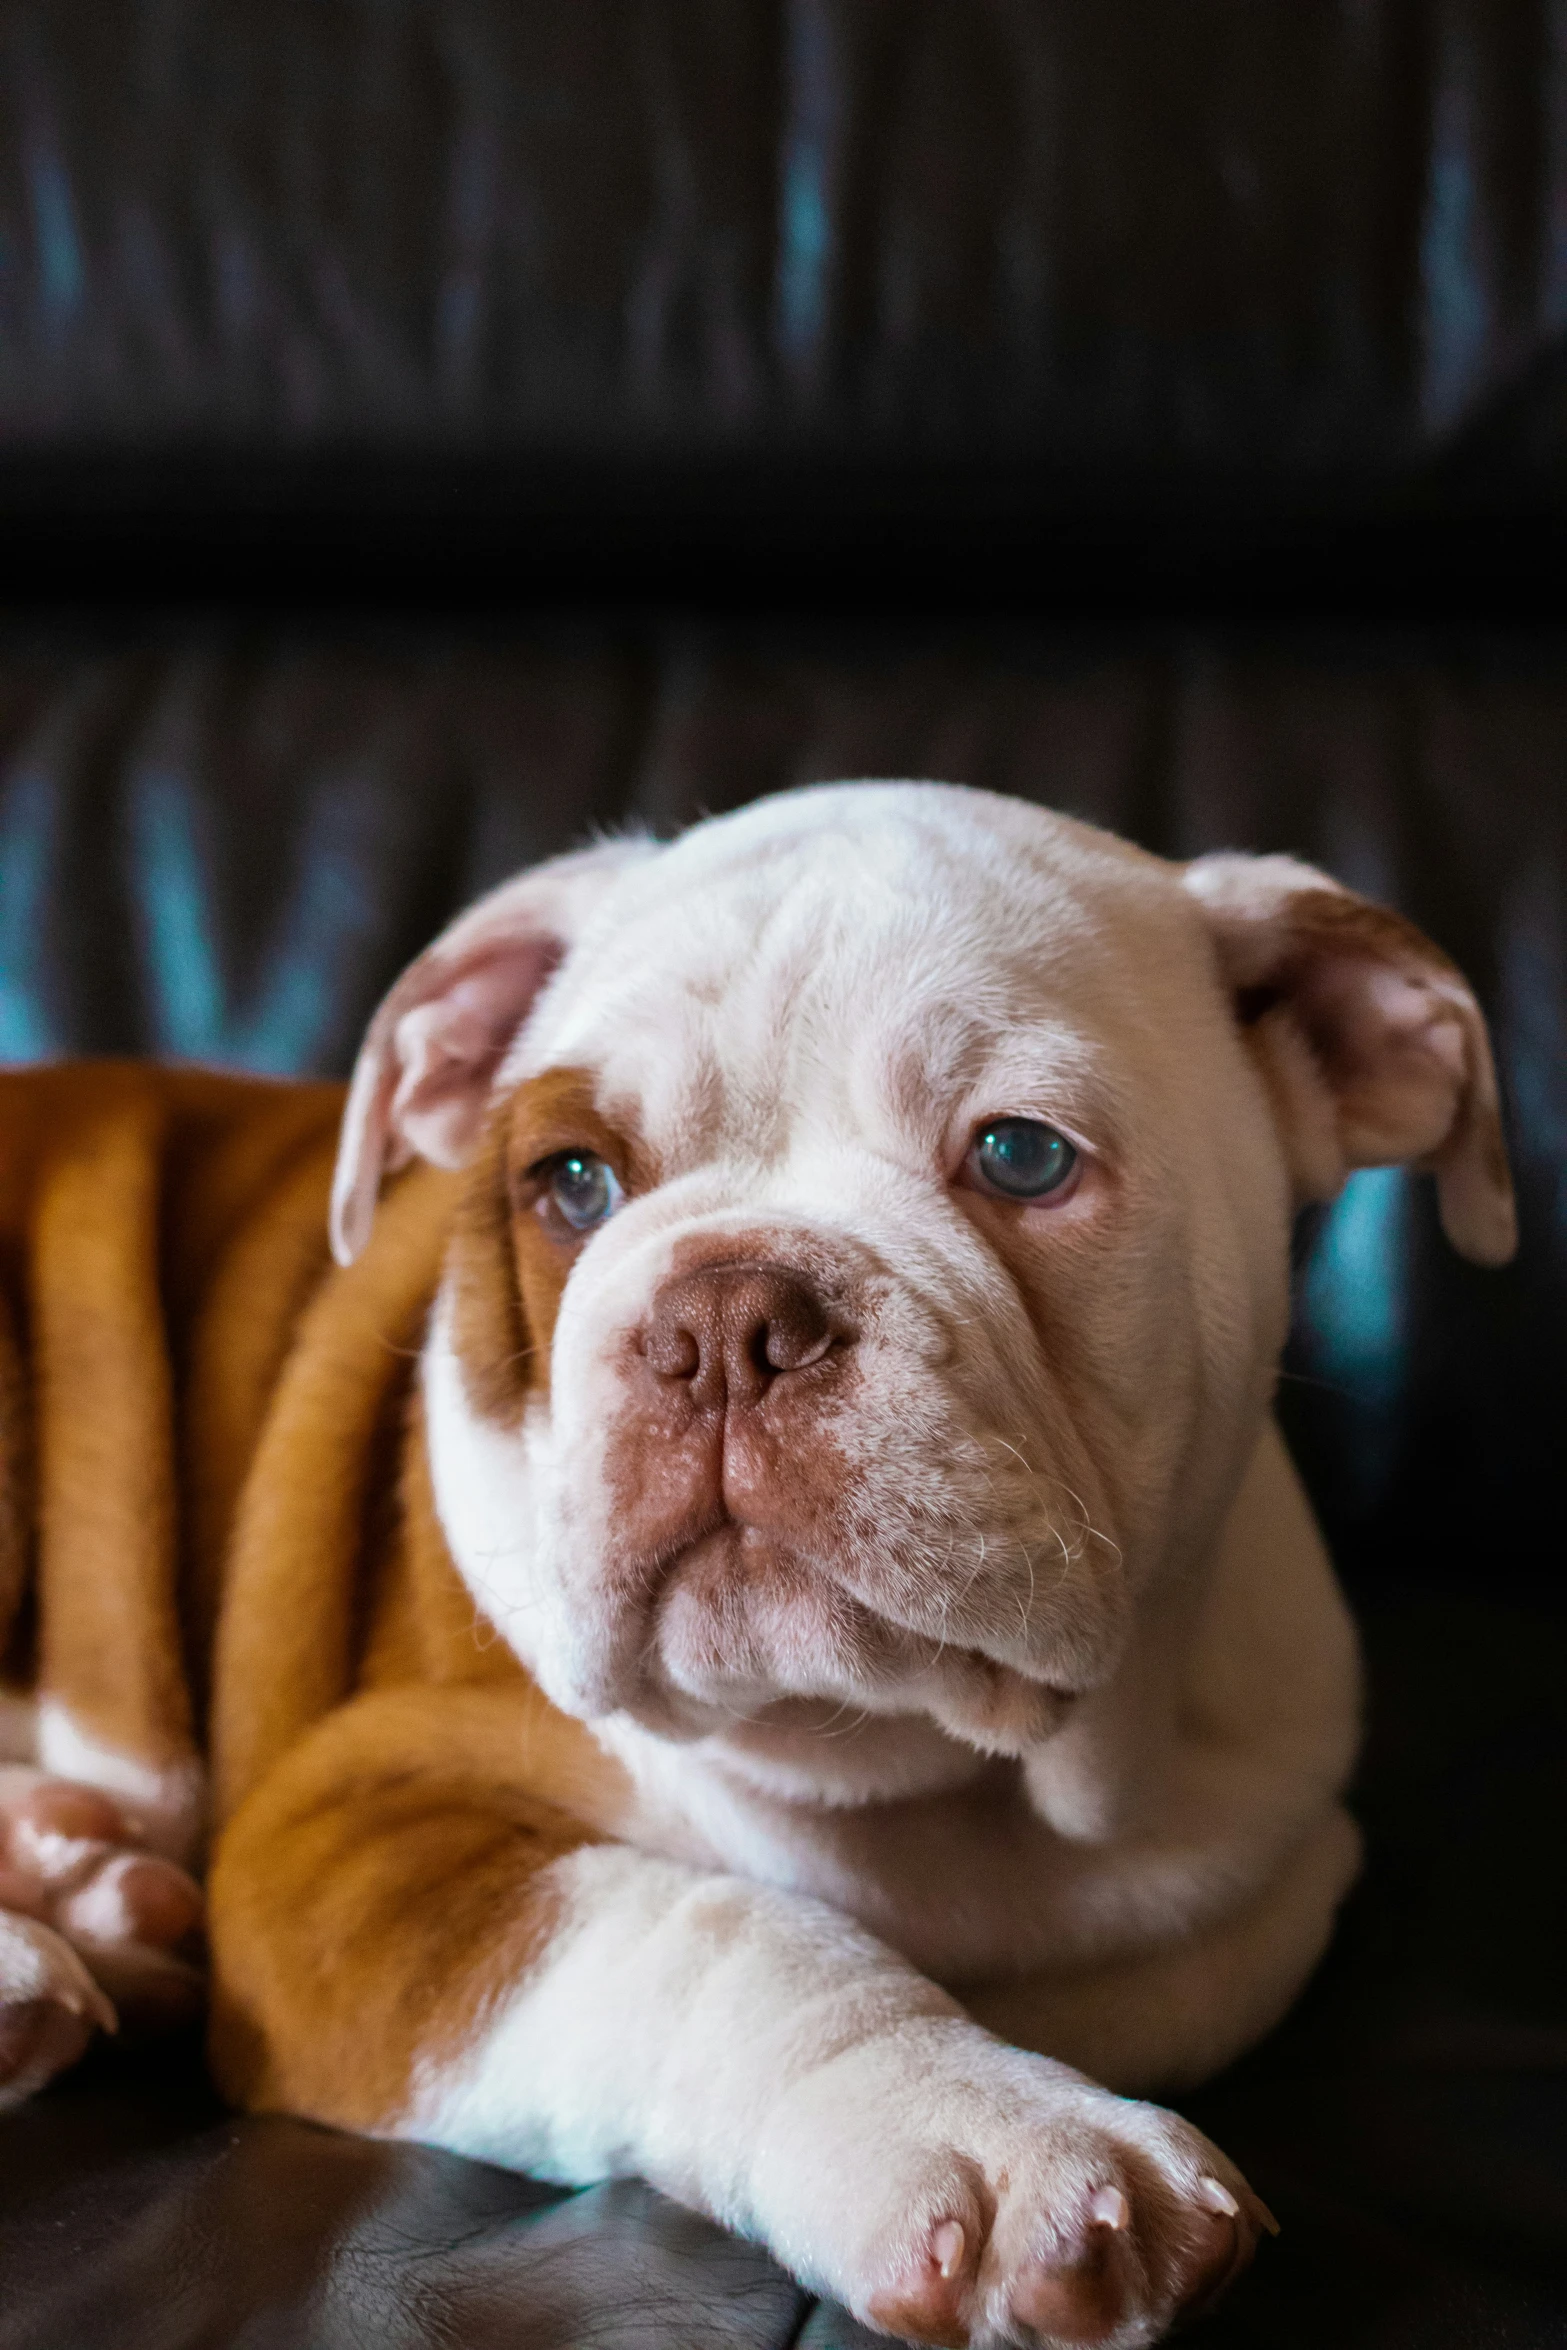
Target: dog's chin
(743, 1618)
(753, 1641)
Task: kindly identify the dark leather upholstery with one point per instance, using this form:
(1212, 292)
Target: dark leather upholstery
(552, 415)
(1131, 296)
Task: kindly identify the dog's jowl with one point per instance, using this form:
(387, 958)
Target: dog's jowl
(754, 1626)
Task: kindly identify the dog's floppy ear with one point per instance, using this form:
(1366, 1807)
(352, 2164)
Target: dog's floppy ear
(423, 1076)
(1372, 1044)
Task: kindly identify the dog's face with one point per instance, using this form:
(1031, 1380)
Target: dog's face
(873, 1255)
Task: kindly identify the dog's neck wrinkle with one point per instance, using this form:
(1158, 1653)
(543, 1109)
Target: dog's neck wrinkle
(856, 1764)
(862, 1763)
(967, 1883)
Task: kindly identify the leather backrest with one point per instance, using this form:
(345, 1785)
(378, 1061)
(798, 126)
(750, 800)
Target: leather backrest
(786, 271)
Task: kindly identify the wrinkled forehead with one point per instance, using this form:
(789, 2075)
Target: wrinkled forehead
(853, 973)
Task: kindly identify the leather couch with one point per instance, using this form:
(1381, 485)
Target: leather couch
(429, 430)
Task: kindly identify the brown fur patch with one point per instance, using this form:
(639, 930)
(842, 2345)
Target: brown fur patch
(495, 1340)
(242, 1328)
(508, 1269)
(1344, 924)
(110, 1641)
(16, 1476)
(294, 1579)
(123, 1192)
(221, 1427)
(381, 1889)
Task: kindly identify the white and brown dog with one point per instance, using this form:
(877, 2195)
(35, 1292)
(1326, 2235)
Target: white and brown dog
(756, 1628)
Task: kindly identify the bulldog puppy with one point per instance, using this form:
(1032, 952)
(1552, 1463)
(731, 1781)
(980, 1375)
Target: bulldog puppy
(766, 1636)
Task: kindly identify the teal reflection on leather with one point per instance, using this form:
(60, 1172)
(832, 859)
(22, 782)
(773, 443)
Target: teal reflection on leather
(1354, 1323)
(293, 1018)
(61, 275)
(1352, 1296)
(805, 226)
(1457, 311)
(29, 843)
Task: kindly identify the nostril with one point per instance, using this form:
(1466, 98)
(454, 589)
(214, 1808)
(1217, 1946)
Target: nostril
(791, 1345)
(728, 1331)
(795, 1331)
(673, 1353)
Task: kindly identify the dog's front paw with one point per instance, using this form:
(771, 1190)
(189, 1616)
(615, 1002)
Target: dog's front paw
(89, 1923)
(49, 2007)
(1073, 2232)
(961, 2192)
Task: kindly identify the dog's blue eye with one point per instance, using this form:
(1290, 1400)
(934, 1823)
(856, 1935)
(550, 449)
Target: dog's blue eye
(583, 1190)
(1023, 1158)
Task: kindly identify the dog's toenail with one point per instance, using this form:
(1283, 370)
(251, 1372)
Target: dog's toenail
(1218, 2198)
(1108, 2208)
(947, 2246)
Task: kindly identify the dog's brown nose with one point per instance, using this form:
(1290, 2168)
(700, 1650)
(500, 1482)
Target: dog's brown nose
(728, 1331)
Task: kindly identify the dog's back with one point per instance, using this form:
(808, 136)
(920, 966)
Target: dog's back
(161, 1232)
(215, 1514)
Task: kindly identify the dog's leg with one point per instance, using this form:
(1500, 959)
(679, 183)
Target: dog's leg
(93, 1927)
(402, 1944)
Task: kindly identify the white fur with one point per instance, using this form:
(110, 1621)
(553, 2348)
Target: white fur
(99, 1913)
(166, 1807)
(758, 2057)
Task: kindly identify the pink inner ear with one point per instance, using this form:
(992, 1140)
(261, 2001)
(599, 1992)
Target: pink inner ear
(1393, 1049)
(450, 1048)
(1374, 1049)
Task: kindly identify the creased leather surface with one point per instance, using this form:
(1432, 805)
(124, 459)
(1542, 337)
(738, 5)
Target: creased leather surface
(1215, 237)
(271, 2231)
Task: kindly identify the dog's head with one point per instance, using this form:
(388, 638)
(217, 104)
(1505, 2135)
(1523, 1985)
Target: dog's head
(873, 1254)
